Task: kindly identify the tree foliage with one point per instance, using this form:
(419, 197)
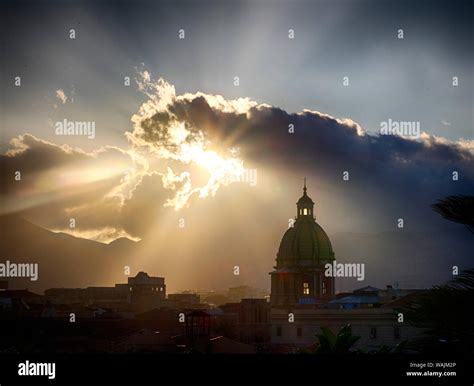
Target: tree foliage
(458, 208)
(446, 311)
(336, 343)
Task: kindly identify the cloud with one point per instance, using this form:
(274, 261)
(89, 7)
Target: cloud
(189, 146)
(261, 131)
(396, 174)
(59, 182)
(103, 235)
(61, 96)
(167, 135)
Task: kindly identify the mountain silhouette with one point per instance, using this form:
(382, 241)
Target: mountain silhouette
(63, 260)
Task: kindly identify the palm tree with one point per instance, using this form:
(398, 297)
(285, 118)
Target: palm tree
(445, 311)
(458, 208)
(329, 343)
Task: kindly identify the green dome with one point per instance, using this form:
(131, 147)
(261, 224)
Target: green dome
(307, 243)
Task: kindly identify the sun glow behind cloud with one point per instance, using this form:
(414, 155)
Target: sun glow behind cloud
(185, 145)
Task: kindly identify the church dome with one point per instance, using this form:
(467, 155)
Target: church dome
(306, 243)
(306, 240)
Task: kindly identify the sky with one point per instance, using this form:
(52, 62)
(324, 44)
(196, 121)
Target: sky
(407, 79)
(166, 146)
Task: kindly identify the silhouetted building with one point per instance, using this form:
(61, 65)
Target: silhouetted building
(376, 327)
(141, 293)
(146, 292)
(183, 300)
(198, 330)
(369, 297)
(365, 297)
(236, 294)
(254, 321)
(19, 301)
(304, 250)
(303, 299)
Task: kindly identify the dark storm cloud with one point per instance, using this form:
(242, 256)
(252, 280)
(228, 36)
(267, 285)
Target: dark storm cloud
(58, 181)
(404, 175)
(316, 136)
(400, 177)
(56, 173)
(32, 156)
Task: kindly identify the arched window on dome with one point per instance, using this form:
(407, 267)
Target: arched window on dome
(305, 211)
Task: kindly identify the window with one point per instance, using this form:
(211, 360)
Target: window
(373, 333)
(161, 289)
(130, 289)
(278, 331)
(396, 333)
(299, 332)
(305, 211)
(306, 288)
(324, 287)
